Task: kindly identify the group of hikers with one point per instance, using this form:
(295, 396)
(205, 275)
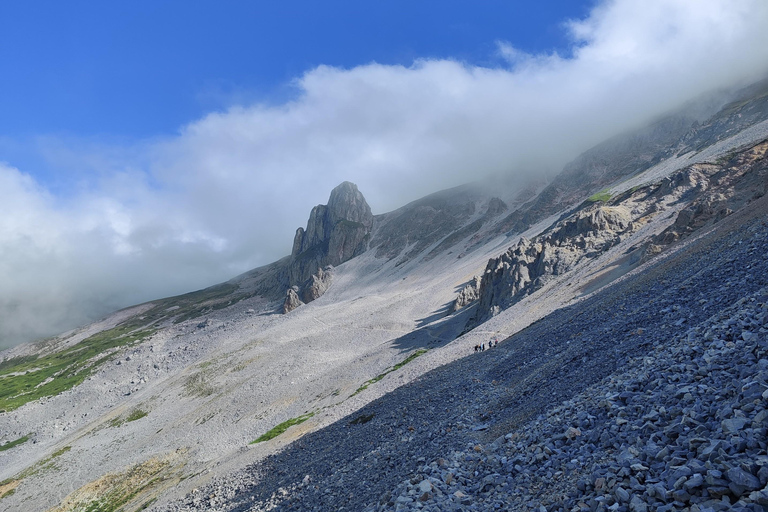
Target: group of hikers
(491, 344)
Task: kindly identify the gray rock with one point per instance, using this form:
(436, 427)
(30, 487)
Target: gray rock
(733, 425)
(526, 267)
(638, 505)
(694, 482)
(468, 294)
(741, 481)
(292, 300)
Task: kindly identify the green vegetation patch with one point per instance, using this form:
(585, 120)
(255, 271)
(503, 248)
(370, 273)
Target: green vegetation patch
(198, 385)
(601, 197)
(24, 379)
(15, 361)
(399, 365)
(17, 442)
(135, 414)
(190, 305)
(276, 431)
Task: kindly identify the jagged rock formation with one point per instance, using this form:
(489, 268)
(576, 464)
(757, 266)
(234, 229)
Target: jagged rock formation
(292, 300)
(335, 233)
(317, 284)
(526, 267)
(711, 192)
(467, 295)
(734, 182)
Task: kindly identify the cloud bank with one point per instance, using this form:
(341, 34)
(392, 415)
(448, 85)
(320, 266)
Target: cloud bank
(226, 194)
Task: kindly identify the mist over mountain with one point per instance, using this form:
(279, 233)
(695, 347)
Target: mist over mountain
(149, 218)
(481, 348)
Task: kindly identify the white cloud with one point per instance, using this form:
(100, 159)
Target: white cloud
(227, 193)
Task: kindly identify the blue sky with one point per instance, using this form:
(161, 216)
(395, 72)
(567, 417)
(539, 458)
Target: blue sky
(143, 68)
(153, 148)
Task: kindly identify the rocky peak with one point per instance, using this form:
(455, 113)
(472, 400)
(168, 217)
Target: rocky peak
(337, 229)
(348, 204)
(335, 233)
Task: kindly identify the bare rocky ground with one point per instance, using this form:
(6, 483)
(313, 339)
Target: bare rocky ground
(163, 422)
(649, 395)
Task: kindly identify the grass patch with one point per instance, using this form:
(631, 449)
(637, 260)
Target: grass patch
(279, 429)
(600, 197)
(17, 442)
(25, 379)
(190, 305)
(15, 361)
(198, 385)
(399, 365)
(135, 414)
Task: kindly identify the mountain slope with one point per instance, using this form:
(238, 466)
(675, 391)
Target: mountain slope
(175, 390)
(478, 419)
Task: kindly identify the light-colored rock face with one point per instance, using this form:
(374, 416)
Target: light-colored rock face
(318, 284)
(525, 268)
(292, 300)
(468, 294)
(348, 204)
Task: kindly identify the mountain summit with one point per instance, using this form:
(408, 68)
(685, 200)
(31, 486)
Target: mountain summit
(335, 233)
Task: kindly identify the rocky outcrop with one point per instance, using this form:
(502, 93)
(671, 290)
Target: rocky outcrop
(317, 284)
(469, 294)
(708, 191)
(335, 233)
(292, 300)
(527, 266)
(736, 181)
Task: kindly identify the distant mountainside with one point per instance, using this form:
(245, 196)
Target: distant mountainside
(182, 403)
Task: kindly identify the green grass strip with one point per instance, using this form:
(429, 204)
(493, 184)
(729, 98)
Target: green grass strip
(8, 446)
(601, 197)
(276, 431)
(399, 365)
